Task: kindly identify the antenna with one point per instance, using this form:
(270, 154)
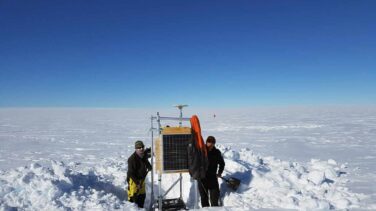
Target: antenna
(180, 107)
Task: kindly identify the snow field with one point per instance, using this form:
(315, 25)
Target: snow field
(267, 182)
(62, 187)
(75, 159)
(280, 184)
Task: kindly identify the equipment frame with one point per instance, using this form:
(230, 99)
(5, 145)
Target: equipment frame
(158, 119)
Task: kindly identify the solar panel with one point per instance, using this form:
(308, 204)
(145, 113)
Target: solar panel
(175, 151)
(172, 151)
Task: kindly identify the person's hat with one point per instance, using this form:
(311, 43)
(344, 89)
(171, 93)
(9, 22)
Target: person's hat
(138, 144)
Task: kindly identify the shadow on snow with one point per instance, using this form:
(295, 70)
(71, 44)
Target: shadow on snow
(89, 181)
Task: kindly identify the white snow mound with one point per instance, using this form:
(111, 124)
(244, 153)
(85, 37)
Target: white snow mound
(63, 187)
(266, 182)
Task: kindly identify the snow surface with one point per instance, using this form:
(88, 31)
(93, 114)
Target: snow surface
(291, 158)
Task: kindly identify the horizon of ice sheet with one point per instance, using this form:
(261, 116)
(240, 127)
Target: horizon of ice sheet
(318, 157)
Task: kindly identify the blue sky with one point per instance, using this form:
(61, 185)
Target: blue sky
(203, 53)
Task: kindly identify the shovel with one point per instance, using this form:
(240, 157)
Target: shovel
(232, 182)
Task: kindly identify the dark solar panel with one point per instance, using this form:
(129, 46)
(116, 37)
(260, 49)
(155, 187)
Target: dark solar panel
(175, 151)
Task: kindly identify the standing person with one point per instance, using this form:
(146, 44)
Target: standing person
(138, 167)
(209, 186)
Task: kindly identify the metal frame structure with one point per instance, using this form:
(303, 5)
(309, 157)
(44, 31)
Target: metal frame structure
(158, 119)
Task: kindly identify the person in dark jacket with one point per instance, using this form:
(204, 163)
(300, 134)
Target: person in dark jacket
(138, 167)
(209, 187)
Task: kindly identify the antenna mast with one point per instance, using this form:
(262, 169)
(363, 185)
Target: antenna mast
(180, 107)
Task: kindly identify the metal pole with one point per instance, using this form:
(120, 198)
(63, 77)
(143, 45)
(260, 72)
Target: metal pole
(160, 173)
(181, 116)
(159, 123)
(166, 192)
(180, 107)
(181, 186)
(195, 183)
(174, 118)
(180, 124)
(152, 164)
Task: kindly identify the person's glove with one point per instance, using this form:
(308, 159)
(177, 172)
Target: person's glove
(147, 152)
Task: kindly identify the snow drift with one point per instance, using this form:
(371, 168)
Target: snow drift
(267, 182)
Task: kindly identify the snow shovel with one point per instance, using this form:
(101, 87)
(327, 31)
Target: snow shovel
(232, 182)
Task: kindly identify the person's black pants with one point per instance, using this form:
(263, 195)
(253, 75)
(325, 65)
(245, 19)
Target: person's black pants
(209, 191)
(139, 200)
